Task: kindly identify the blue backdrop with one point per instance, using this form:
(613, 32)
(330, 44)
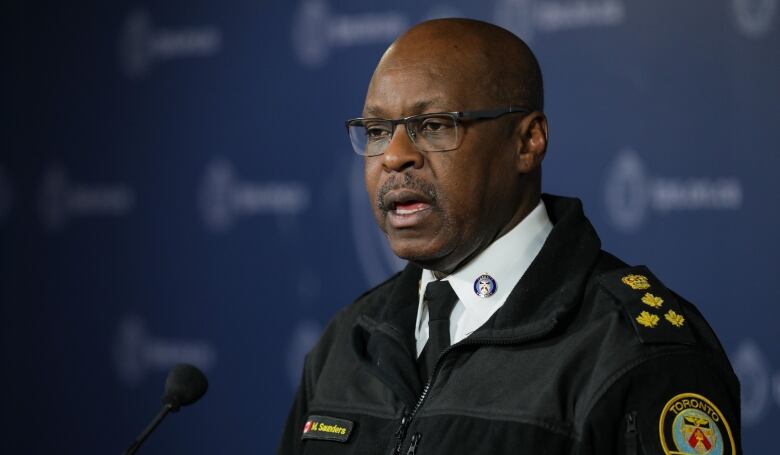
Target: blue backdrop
(176, 184)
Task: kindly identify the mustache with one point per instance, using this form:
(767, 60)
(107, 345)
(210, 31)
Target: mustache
(406, 181)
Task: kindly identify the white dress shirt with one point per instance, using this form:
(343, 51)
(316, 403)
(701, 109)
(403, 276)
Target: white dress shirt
(506, 260)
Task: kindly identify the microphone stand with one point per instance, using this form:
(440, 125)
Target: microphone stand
(167, 407)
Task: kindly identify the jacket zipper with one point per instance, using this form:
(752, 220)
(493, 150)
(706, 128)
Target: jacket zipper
(631, 434)
(400, 433)
(413, 445)
(406, 420)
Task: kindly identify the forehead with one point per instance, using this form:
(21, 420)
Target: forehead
(402, 87)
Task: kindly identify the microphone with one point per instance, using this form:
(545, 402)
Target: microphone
(185, 385)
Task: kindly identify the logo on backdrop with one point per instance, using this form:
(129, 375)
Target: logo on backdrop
(224, 198)
(527, 17)
(758, 385)
(754, 17)
(316, 30)
(630, 192)
(376, 258)
(61, 200)
(302, 340)
(142, 43)
(6, 197)
(137, 353)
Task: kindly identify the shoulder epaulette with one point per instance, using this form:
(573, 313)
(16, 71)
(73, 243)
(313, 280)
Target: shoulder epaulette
(652, 309)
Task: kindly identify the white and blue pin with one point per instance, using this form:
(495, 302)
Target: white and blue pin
(485, 286)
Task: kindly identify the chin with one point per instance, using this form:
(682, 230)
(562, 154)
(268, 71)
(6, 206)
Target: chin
(419, 252)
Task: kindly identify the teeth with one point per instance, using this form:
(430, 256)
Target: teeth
(409, 211)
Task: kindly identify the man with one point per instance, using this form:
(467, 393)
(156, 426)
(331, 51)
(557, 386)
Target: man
(510, 331)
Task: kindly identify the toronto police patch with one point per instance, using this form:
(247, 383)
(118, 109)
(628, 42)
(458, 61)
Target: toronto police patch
(485, 285)
(692, 424)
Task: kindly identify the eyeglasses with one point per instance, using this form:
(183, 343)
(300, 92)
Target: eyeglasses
(436, 132)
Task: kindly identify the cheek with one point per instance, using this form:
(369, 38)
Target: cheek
(465, 188)
(472, 194)
(459, 203)
(371, 174)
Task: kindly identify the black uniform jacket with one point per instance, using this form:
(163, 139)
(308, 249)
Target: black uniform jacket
(587, 356)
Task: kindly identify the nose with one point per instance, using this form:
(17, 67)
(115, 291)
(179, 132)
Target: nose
(401, 153)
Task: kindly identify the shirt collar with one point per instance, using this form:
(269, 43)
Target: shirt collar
(505, 260)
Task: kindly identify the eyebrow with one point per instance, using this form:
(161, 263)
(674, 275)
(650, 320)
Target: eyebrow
(417, 108)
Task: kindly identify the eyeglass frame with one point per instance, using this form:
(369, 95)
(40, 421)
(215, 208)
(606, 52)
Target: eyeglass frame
(457, 116)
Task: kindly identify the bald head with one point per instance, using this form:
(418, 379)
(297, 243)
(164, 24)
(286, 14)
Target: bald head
(487, 58)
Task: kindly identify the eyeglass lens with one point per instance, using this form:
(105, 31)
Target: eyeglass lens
(429, 133)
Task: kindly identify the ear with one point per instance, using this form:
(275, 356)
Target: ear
(531, 141)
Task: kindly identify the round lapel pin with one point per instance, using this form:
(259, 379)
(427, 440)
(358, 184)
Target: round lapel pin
(485, 286)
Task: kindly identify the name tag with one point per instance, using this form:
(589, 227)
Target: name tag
(327, 428)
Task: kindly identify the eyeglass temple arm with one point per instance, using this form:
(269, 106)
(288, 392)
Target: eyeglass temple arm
(492, 113)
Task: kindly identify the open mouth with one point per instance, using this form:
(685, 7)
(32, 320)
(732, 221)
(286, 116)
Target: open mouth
(410, 207)
(405, 201)
(406, 208)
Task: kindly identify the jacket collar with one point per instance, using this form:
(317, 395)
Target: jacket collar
(384, 341)
(554, 284)
(551, 289)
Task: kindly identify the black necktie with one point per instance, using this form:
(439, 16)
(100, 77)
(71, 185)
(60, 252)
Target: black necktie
(440, 299)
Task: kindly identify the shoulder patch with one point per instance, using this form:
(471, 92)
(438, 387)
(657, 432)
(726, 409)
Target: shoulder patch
(692, 424)
(652, 309)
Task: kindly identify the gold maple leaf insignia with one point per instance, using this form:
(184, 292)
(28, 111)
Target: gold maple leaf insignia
(652, 300)
(675, 319)
(647, 319)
